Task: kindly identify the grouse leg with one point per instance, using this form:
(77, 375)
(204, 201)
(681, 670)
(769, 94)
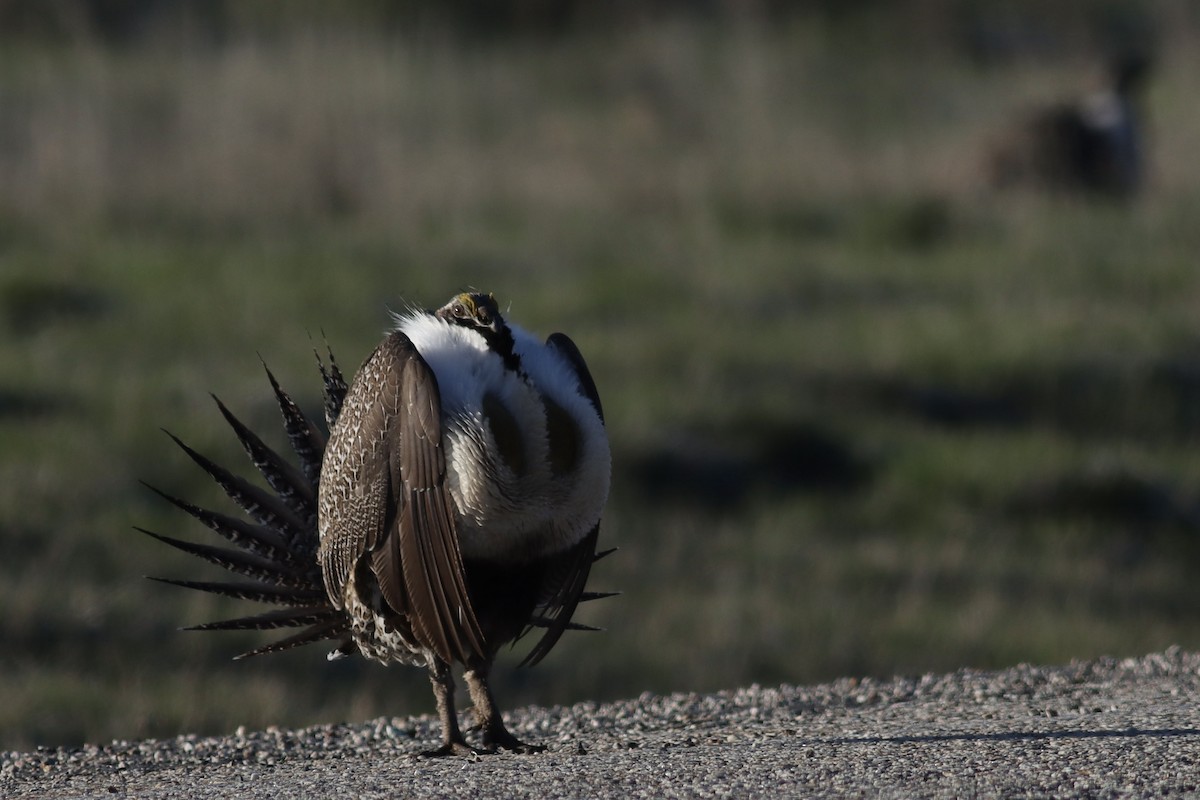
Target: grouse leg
(453, 743)
(487, 715)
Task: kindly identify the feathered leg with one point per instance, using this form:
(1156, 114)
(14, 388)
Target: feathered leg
(453, 743)
(487, 715)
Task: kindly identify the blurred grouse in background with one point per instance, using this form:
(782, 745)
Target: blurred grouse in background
(1094, 146)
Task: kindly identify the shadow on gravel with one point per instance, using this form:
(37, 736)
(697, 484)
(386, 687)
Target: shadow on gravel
(1155, 733)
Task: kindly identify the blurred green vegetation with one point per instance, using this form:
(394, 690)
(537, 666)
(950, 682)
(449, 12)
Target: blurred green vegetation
(869, 415)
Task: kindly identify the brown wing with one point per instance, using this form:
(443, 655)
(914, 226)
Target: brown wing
(567, 572)
(383, 496)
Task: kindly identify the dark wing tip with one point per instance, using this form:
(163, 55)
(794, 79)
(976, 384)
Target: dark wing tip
(544, 622)
(564, 345)
(588, 596)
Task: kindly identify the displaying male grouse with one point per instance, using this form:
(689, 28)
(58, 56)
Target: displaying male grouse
(456, 506)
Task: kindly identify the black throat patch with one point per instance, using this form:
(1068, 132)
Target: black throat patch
(481, 313)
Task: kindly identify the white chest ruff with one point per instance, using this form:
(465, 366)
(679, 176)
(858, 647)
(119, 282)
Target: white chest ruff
(537, 501)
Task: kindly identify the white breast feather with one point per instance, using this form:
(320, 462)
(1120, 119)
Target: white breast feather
(501, 514)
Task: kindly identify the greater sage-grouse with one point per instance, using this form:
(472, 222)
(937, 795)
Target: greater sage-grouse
(455, 507)
(1091, 146)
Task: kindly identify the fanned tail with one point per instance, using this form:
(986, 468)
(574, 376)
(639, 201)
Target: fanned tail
(555, 612)
(276, 547)
(335, 386)
(306, 439)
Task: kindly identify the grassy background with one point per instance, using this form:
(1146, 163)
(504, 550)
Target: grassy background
(869, 416)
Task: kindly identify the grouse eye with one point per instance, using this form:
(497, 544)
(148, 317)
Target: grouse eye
(459, 310)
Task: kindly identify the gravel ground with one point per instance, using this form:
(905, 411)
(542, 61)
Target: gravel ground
(1106, 728)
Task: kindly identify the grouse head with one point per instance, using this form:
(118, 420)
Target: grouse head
(480, 312)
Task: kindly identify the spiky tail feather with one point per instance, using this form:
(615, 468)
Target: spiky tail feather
(276, 548)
